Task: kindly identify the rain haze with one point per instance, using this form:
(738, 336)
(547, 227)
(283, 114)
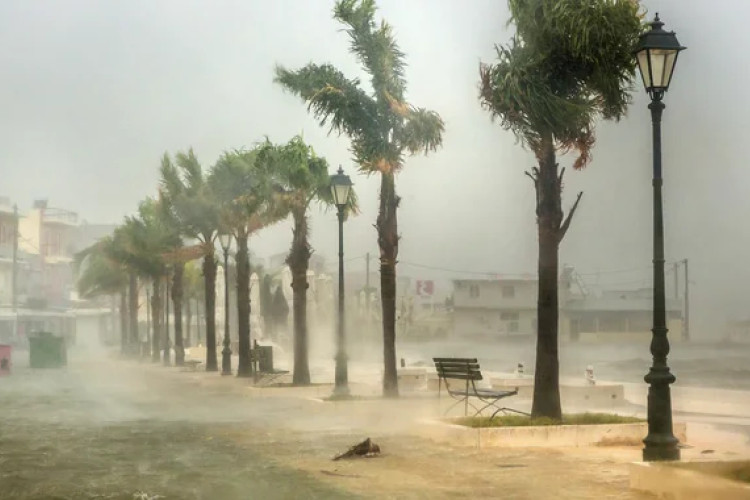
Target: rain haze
(94, 93)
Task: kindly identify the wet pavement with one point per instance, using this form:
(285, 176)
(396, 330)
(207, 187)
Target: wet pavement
(122, 431)
(106, 428)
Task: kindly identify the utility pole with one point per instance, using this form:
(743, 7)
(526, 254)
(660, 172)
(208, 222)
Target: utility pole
(686, 326)
(675, 269)
(14, 289)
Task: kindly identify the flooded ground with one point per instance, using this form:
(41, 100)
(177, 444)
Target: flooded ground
(107, 430)
(104, 428)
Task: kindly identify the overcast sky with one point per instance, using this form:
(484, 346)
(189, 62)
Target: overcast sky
(93, 92)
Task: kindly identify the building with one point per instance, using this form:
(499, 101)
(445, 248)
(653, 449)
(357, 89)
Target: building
(621, 315)
(494, 307)
(48, 235)
(508, 308)
(7, 242)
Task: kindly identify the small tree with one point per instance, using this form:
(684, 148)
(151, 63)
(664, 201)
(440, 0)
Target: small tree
(569, 63)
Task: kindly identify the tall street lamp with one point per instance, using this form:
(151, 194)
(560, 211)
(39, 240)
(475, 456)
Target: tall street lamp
(656, 54)
(341, 185)
(225, 239)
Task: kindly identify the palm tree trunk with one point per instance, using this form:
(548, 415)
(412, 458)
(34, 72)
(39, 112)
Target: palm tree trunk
(145, 346)
(124, 321)
(298, 261)
(165, 337)
(244, 365)
(177, 294)
(133, 311)
(188, 323)
(546, 402)
(209, 282)
(198, 333)
(387, 225)
(156, 318)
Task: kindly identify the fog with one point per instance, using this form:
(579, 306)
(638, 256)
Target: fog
(93, 93)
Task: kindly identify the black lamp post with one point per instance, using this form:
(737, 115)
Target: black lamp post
(340, 187)
(656, 55)
(225, 239)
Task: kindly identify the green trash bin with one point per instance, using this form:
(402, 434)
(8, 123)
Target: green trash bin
(47, 351)
(265, 358)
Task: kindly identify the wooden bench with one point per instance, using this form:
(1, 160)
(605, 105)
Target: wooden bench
(467, 370)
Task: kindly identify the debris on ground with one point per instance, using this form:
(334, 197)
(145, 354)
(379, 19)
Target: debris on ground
(364, 449)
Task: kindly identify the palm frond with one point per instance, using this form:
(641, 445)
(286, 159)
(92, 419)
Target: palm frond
(568, 63)
(375, 46)
(334, 100)
(422, 132)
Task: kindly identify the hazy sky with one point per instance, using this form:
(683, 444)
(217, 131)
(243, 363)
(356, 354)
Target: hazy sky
(94, 92)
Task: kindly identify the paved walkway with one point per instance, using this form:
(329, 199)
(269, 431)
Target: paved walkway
(116, 428)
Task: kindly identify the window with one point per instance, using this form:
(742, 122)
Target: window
(513, 327)
(509, 292)
(6, 234)
(473, 291)
(509, 316)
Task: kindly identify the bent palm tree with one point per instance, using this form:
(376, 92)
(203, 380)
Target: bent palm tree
(194, 206)
(303, 178)
(382, 127)
(149, 238)
(97, 274)
(568, 63)
(239, 191)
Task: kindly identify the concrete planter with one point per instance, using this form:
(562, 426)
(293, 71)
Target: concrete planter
(579, 396)
(546, 435)
(688, 481)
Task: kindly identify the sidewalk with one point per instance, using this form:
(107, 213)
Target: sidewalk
(303, 431)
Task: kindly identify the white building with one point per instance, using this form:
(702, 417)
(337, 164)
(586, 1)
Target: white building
(508, 307)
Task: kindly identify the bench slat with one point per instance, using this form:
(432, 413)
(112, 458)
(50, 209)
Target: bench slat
(462, 369)
(458, 368)
(462, 376)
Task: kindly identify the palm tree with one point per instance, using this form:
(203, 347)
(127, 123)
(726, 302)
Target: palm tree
(192, 291)
(569, 63)
(149, 239)
(193, 205)
(246, 205)
(303, 178)
(177, 257)
(118, 252)
(99, 274)
(382, 127)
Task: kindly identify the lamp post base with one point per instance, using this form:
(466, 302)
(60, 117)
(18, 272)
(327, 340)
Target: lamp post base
(660, 443)
(661, 453)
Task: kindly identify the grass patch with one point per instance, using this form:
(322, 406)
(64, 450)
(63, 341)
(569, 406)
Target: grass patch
(524, 421)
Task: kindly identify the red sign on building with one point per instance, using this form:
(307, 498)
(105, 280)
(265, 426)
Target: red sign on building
(425, 288)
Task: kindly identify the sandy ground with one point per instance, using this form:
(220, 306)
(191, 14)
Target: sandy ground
(117, 429)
